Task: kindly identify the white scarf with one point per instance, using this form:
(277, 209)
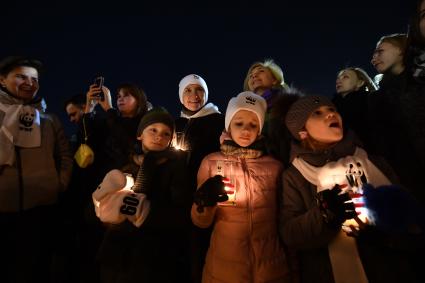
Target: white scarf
(20, 126)
(352, 171)
(206, 110)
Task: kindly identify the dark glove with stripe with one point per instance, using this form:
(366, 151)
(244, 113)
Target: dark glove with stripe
(335, 207)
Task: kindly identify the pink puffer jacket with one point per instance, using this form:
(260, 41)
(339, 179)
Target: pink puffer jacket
(244, 244)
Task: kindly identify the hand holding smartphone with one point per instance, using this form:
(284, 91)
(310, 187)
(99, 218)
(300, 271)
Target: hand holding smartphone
(98, 81)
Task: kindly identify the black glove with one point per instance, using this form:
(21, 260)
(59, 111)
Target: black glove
(335, 210)
(210, 192)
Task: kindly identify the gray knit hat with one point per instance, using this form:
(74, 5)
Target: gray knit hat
(156, 115)
(301, 109)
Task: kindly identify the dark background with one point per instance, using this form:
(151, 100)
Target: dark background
(156, 45)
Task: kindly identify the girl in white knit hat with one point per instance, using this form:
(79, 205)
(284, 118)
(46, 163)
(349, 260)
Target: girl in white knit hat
(237, 191)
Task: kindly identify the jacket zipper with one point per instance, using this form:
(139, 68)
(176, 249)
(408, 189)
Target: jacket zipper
(248, 192)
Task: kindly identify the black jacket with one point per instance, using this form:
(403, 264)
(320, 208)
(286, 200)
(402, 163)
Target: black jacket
(397, 128)
(113, 140)
(158, 250)
(201, 137)
(353, 110)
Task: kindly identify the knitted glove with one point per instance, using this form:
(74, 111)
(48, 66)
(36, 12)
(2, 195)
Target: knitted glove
(210, 192)
(335, 207)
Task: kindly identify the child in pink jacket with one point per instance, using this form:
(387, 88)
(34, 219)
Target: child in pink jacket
(237, 193)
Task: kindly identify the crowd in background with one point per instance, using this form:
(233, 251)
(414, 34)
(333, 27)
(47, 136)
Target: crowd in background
(281, 186)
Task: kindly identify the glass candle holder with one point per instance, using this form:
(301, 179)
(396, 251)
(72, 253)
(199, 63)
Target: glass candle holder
(226, 169)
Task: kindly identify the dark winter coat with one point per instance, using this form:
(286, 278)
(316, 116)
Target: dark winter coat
(201, 137)
(278, 137)
(200, 133)
(158, 250)
(397, 129)
(113, 140)
(353, 110)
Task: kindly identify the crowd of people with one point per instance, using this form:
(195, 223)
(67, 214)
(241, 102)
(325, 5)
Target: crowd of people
(281, 186)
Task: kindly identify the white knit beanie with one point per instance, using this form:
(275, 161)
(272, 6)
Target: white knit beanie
(192, 79)
(249, 101)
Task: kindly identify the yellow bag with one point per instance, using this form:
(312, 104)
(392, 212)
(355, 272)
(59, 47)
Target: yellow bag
(84, 156)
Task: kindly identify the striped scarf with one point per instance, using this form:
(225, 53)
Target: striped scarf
(255, 150)
(140, 179)
(144, 182)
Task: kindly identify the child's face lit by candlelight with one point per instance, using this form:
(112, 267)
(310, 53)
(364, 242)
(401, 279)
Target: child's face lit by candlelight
(156, 137)
(324, 126)
(244, 127)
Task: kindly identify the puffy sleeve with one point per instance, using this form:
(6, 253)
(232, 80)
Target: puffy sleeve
(301, 224)
(205, 218)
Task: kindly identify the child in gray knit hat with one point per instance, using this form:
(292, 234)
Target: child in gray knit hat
(300, 112)
(323, 210)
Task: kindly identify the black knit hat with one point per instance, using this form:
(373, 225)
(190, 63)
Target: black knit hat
(156, 115)
(301, 109)
(9, 63)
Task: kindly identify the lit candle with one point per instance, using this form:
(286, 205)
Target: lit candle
(230, 190)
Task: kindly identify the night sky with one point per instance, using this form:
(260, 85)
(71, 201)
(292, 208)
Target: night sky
(155, 47)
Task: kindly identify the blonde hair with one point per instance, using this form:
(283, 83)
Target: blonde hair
(397, 39)
(274, 69)
(361, 74)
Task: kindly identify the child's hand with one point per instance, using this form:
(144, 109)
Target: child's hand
(335, 206)
(353, 230)
(224, 136)
(210, 192)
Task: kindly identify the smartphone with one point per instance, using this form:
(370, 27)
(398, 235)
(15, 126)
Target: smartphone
(98, 81)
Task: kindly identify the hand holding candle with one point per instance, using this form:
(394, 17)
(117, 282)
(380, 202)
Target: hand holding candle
(210, 192)
(336, 206)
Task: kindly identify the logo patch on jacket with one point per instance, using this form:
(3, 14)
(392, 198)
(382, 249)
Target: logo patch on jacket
(26, 119)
